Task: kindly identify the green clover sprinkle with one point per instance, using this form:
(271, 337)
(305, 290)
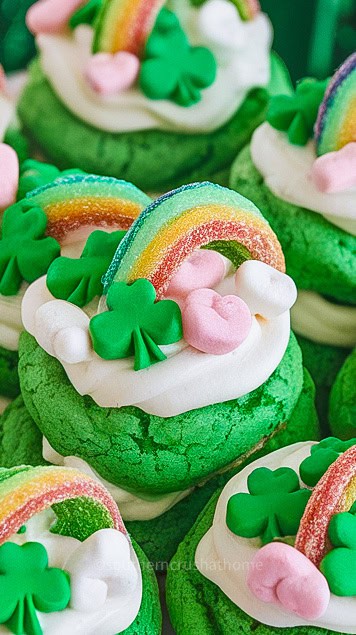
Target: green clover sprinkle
(34, 174)
(135, 324)
(339, 565)
(322, 455)
(25, 252)
(28, 585)
(296, 114)
(172, 69)
(272, 509)
(78, 280)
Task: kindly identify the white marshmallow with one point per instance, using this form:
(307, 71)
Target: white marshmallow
(105, 557)
(73, 345)
(35, 296)
(266, 291)
(55, 316)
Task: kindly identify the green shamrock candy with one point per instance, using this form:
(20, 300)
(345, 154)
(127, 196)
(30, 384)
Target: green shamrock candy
(296, 114)
(25, 252)
(172, 69)
(135, 324)
(79, 280)
(34, 174)
(339, 565)
(28, 585)
(272, 509)
(322, 455)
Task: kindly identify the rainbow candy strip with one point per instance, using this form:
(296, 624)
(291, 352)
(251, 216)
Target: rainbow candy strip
(124, 25)
(336, 122)
(184, 220)
(26, 491)
(79, 200)
(335, 493)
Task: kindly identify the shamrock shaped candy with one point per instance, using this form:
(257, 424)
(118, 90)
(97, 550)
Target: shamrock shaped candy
(272, 509)
(322, 455)
(296, 114)
(135, 324)
(78, 280)
(34, 174)
(339, 565)
(25, 252)
(28, 585)
(172, 69)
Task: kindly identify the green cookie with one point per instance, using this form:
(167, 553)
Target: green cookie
(21, 442)
(342, 407)
(319, 257)
(139, 157)
(9, 381)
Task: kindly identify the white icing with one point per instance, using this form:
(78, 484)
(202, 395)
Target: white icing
(132, 506)
(7, 111)
(324, 322)
(225, 558)
(106, 557)
(241, 50)
(168, 388)
(286, 170)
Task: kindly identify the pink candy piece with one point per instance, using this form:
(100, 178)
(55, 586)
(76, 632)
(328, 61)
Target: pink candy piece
(213, 323)
(9, 176)
(335, 171)
(111, 74)
(51, 16)
(203, 269)
(281, 575)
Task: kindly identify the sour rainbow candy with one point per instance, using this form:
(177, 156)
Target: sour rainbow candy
(27, 491)
(336, 122)
(184, 220)
(124, 25)
(335, 493)
(77, 201)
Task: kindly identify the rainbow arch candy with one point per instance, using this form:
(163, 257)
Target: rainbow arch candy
(26, 491)
(184, 220)
(124, 25)
(335, 493)
(336, 122)
(80, 200)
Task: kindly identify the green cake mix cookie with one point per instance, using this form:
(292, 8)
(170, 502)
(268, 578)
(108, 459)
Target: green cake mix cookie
(21, 442)
(342, 408)
(174, 94)
(207, 578)
(284, 175)
(9, 381)
(69, 519)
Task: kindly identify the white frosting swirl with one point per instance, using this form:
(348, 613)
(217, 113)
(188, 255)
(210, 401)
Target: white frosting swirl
(124, 580)
(132, 506)
(225, 558)
(168, 388)
(324, 322)
(241, 50)
(286, 168)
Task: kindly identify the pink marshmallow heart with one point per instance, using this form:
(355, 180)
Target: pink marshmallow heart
(9, 176)
(213, 323)
(281, 575)
(203, 269)
(51, 16)
(335, 171)
(111, 74)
